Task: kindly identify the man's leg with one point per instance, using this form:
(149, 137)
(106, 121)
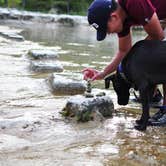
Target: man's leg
(157, 96)
(160, 117)
(163, 25)
(164, 94)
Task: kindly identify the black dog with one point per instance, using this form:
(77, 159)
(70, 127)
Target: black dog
(142, 68)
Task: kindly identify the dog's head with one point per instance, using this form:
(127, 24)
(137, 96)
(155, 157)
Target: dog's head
(120, 86)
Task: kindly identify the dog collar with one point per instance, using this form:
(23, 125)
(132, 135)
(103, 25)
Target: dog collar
(120, 70)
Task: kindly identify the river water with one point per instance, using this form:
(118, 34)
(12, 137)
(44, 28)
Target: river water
(33, 133)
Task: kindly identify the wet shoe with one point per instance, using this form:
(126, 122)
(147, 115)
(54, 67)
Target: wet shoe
(157, 115)
(157, 97)
(160, 113)
(160, 122)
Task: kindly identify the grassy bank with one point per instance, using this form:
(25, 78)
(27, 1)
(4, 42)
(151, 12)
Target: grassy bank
(78, 7)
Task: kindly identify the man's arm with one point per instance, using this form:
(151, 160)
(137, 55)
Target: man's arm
(125, 44)
(154, 29)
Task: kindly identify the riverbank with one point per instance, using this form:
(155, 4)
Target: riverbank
(14, 14)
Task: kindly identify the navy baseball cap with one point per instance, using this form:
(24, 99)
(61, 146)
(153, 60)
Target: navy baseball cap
(98, 15)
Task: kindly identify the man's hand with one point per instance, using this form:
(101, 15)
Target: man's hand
(92, 74)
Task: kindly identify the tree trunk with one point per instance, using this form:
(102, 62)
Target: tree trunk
(68, 6)
(6, 2)
(23, 3)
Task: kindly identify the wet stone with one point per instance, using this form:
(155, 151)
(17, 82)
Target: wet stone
(27, 17)
(4, 14)
(88, 95)
(13, 36)
(85, 109)
(68, 21)
(3, 127)
(14, 16)
(46, 67)
(16, 123)
(100, 94)
(42, 54)
(89, 87)
(64, 86)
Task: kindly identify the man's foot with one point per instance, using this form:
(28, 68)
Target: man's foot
(160, 122)
(157, 115)
(160, 113)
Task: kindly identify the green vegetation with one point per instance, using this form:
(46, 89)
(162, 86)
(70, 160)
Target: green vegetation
(56, 6)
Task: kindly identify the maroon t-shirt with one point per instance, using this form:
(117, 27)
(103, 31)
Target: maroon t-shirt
(140, 12)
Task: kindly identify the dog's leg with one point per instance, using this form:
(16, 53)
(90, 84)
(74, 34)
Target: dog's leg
(145, 95)
(150, 92)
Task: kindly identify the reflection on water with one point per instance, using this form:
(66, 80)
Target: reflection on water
(31, 130)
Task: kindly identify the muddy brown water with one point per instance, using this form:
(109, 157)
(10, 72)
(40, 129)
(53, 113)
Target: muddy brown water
(32, 132)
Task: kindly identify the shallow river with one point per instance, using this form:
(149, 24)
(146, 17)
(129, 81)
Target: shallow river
(33, 133)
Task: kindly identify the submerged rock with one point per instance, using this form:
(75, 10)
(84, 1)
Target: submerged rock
(88, 95)
(40, 54)
(27, 17)
(13, 36)
(4, 13)
(65, 86)
(100, 94)
(86, 109)
(46, 67)
(19, 122)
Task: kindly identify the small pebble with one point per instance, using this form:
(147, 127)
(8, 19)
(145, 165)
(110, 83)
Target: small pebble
(88, 95)
(100, 94)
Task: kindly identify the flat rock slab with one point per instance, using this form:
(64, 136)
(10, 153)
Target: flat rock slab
(12, 36)
(42, 54)
(86, 109)
(19, 122)
(65, 86)
(46, 67)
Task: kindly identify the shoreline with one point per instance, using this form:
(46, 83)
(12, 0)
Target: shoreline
(15, 14)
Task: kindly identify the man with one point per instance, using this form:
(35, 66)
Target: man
(109, 16)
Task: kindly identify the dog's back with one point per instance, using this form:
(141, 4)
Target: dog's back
(143, 67)
(147, 60)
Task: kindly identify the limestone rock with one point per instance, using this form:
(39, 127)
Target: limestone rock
(27, 17)
(4, 13)
(65, 86)
(14, 14)
(11, 35)
(46, 67)
(40, 54)
(67, 20)
(85, 109)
